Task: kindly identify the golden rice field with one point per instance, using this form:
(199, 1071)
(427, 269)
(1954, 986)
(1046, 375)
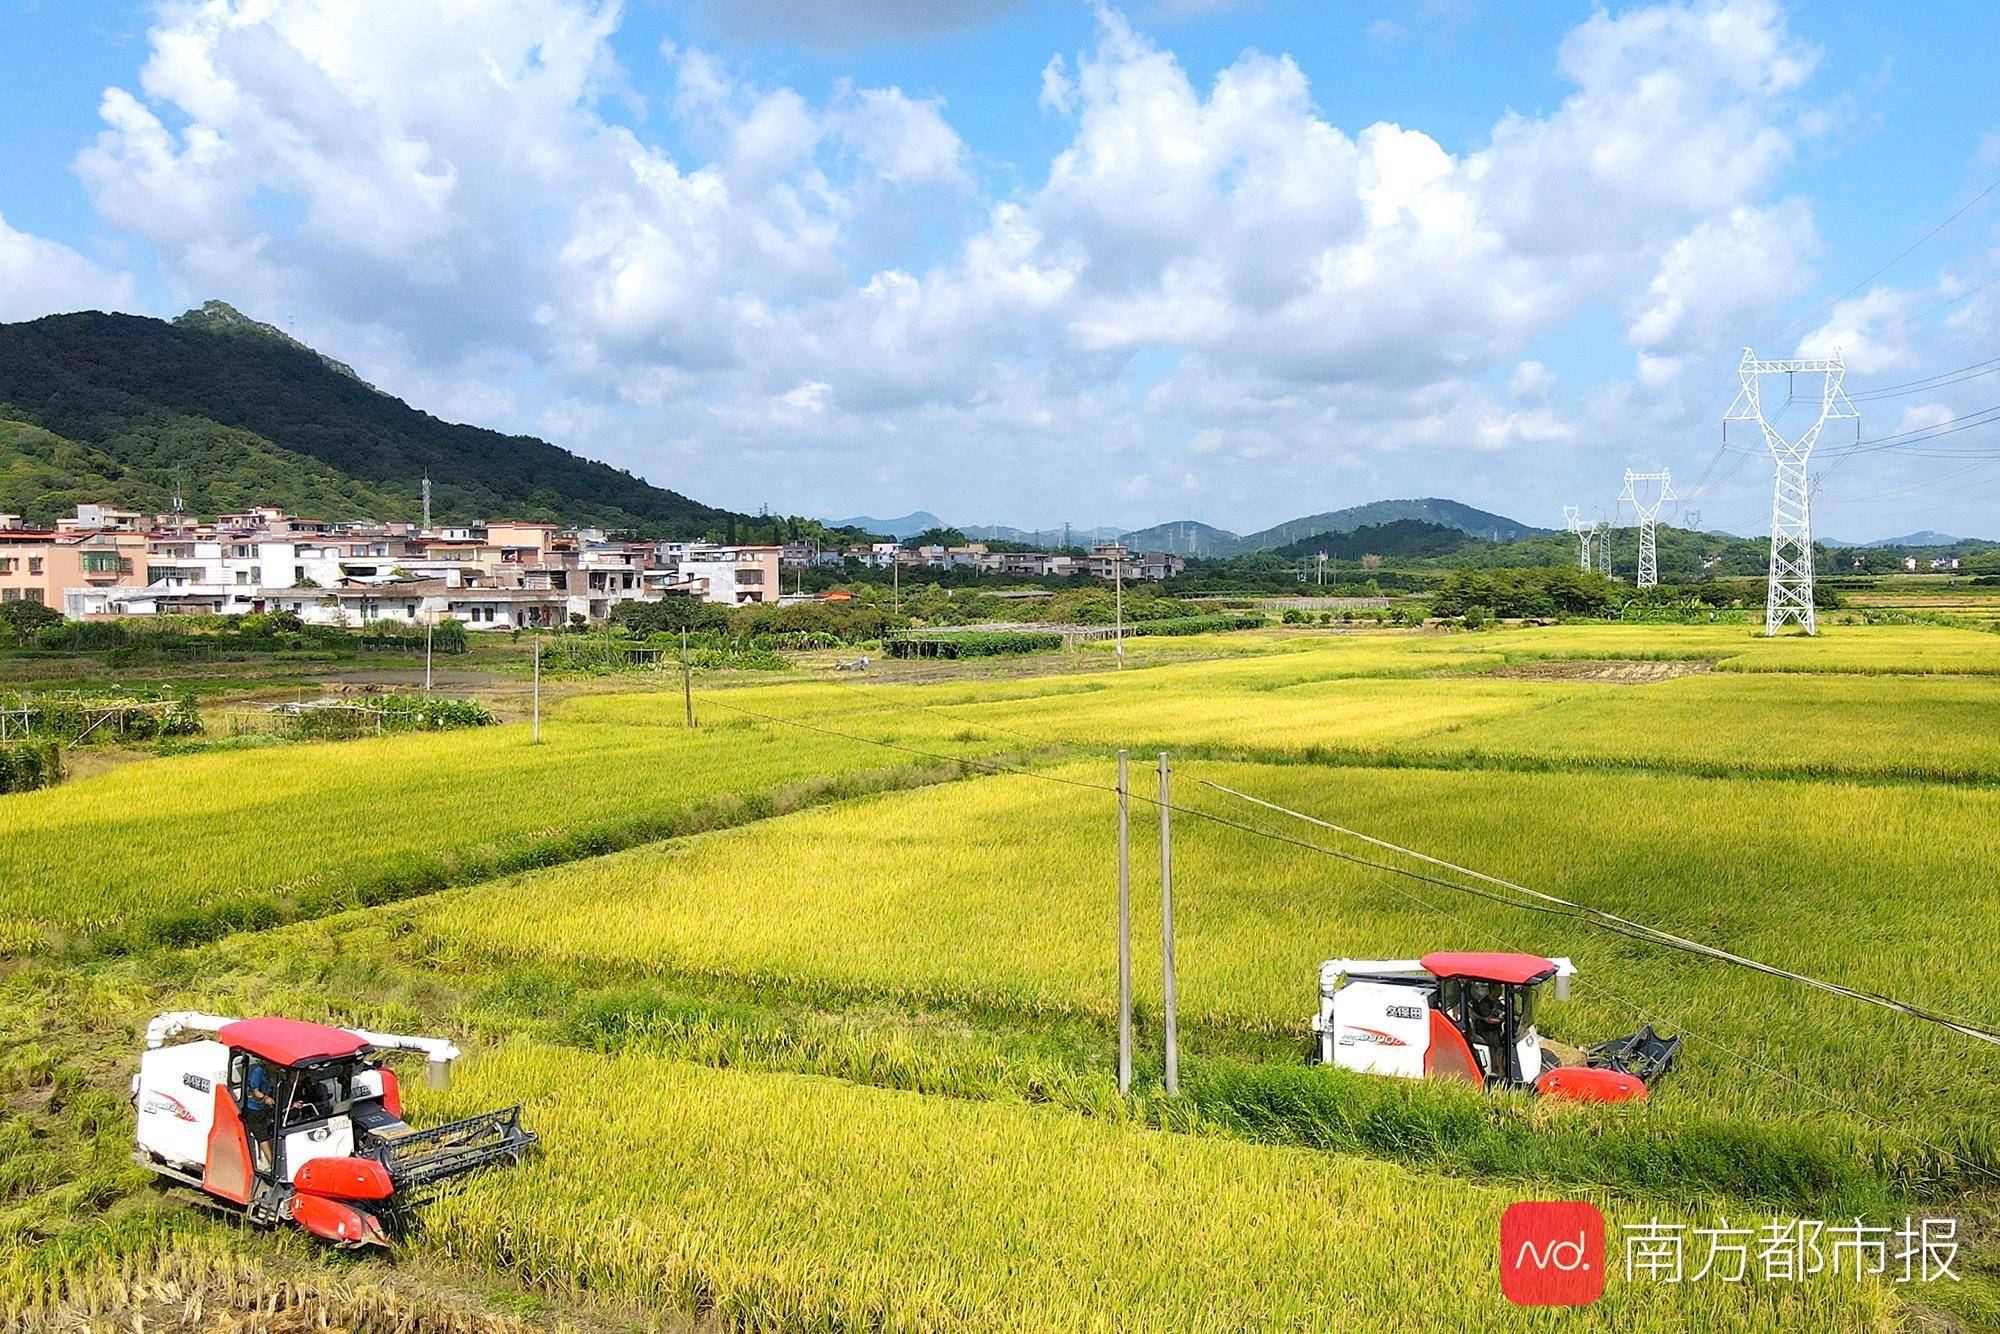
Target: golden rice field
(1348, 699)
(781, 1202)
(1000, 894)
(761, 896)
(232, 838)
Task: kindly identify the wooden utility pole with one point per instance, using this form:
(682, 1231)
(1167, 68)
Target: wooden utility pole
(687, 679)
(1167, 1005)
(1124, 930)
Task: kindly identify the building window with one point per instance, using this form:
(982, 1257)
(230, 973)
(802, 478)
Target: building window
(10, 595)
(34, 565)
(100, 562)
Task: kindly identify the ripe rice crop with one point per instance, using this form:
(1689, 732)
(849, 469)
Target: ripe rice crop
(998, 895)
(778, 1201)
(1348, 700)
(1939, 728)
(188, 846)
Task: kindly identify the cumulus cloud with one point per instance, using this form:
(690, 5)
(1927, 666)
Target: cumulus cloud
(42, 277)
(1868, 331)
(1203, 268)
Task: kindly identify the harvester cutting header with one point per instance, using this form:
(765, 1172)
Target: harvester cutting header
(288, 1120)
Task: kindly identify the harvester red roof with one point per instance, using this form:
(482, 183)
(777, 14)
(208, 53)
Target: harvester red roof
(289, 1041)
(1514, 968)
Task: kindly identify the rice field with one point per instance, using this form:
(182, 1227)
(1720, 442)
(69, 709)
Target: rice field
(1434, 700)
(815, 1038)
(188, 846)
(999, 895)
(775, 1201)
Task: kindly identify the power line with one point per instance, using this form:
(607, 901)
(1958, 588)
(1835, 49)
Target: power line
(1580, 912)
(1701, 486)
(1902, 255)
(1938, 381)
(1598, 916)
(1388, 872)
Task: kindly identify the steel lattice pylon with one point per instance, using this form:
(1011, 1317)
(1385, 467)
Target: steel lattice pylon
(1573, 516)
(1789, 596)
(1600, 534)
(1636, 491)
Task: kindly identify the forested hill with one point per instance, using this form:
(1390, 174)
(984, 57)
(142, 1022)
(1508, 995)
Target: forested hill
(237, 413)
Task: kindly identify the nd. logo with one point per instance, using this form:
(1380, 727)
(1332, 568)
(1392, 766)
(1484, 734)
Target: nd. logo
(1552, 1253)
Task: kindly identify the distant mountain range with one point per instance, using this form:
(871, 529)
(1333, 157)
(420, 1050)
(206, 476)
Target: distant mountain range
(1479, 523)
(1927, 538)
(1042, 537)
(1187, 537)
(908, 526)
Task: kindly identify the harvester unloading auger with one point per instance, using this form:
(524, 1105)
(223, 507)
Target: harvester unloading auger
(288, 1120)
(1472, 1017)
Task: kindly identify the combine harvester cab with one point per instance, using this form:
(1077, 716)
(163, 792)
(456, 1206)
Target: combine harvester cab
(1472, 1017)
(288, 1120)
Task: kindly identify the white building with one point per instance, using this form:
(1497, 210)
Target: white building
(730, 576)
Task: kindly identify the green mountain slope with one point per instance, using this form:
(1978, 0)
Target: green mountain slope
(1185, 538)
(44, 476)
(248, 413)
(1447, 513)
(1398, 539)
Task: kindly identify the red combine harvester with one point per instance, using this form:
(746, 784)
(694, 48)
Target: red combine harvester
(1472, 1017)
(287, 1120)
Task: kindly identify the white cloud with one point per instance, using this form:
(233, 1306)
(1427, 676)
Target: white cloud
(1867, 331)
(1210, 268)
(43, 277)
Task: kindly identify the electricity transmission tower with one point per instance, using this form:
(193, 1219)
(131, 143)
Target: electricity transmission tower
(1574, 518)
(1789, 596)
(1600, 538)
(1637, 491)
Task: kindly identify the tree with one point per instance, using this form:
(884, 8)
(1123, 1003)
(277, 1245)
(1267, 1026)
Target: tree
(25, 617)
(937, 537)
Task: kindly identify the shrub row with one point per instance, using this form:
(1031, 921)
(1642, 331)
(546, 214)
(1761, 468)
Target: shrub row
(974, 644)
(27, 765)
(1195, 625)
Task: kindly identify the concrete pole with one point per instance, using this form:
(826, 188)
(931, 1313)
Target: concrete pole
(427, 657)
(538, 690)
(1168, 1000)
(687, 679)
(1124, 929)
(1118, 594)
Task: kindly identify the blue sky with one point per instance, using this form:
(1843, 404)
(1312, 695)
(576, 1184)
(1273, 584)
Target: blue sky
(1045, 262)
